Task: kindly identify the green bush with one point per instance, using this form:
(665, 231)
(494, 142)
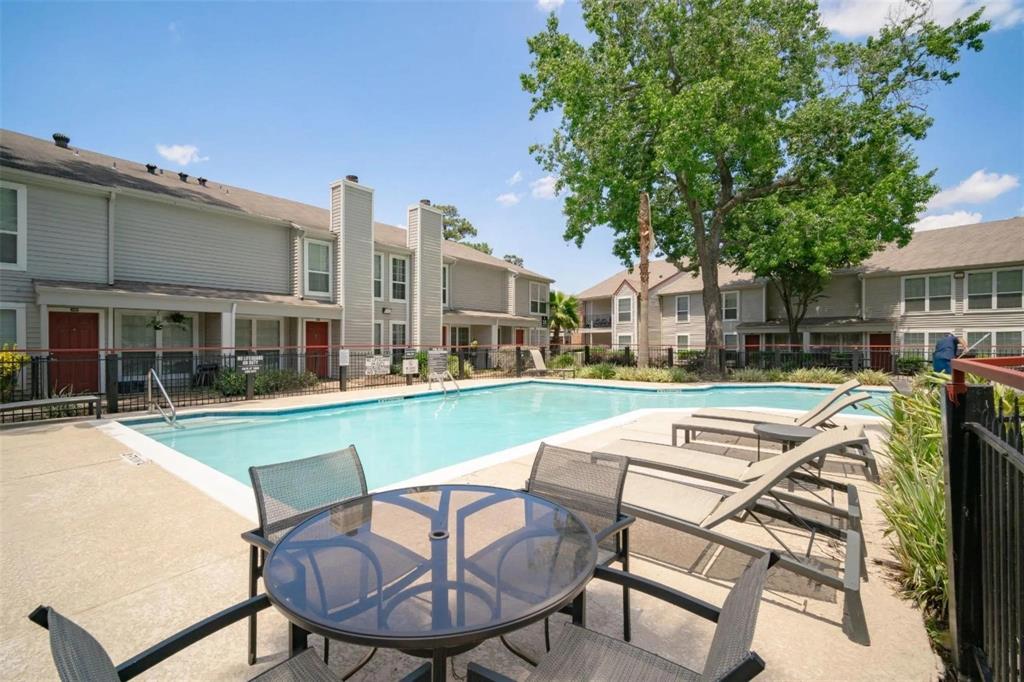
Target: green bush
(754, 375)
(231, 382)
(649, 374)
(600, 371)
(911, 365)
(563, 361)
(816, 375)
(681, 376)
(11, 362)
(872, 377)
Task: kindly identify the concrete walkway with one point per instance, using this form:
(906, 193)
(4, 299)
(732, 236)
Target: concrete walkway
(133, 553)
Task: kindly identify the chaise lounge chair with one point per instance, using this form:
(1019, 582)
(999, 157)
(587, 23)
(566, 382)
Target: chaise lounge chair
(540, 368)
(582, 654)
(756, 417)
(731, 470)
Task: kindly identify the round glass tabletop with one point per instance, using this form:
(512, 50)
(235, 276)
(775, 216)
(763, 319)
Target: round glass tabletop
(431, 567)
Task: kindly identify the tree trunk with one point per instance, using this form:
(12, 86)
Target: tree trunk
(644, 229)
(712, 296)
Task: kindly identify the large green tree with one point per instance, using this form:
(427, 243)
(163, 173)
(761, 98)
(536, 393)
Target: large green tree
(458, 228)
(715, 106)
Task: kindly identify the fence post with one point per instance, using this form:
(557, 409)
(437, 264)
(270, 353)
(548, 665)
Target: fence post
(250, 386)
(343, 378)
(462, 363)
(519, 361)
(35, 378)
(625, 357)
(671, 356)
(963, 551)
(112, 361)
(586, 355)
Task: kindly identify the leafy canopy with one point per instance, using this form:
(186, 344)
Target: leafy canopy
(728, 111)
(563, 312)
(514, 259)
(458, 228)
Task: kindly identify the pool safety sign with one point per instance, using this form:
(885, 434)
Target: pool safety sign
(410, 366)
(378, 364)
(343, 357)
(249, 364)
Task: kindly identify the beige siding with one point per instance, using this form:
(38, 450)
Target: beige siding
(425, 237)
(478, 287)
(623, 328)
(156, 242)
(751, 305)
(882, 297)
(522, 306)
(670, 328)
(352, 209)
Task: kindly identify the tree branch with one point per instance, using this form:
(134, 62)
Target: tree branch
(756, 193)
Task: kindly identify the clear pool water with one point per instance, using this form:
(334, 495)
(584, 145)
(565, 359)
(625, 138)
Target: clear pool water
(398, 439)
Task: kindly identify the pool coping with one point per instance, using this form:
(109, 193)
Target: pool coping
(239, 497)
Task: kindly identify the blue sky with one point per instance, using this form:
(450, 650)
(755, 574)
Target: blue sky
(421, 100)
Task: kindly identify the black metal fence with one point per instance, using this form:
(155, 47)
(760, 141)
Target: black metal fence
(984, 462)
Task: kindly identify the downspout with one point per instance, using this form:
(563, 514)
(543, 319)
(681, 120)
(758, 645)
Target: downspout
(111, 203)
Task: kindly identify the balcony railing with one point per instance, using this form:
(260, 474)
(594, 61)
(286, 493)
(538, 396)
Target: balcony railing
(598, 322)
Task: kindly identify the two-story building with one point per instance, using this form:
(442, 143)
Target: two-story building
(103, 253)
(965, 279)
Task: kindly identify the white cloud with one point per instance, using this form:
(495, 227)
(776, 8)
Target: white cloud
(508, 198)
(977, 189)
(936, 222)
(549, 5)
(516, 178)
(181, 154)
(544, 188)
(855, 18)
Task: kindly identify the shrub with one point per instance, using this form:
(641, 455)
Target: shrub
(230, 382)
(752, 375)
(681, 376)
(11, 362)
(563, 361)
(816, 375)
(872, 377)
(600, 371)
(650, 374)
(910, 365)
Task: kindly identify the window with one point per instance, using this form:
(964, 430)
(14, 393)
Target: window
(378, 336)
(1008, 343)
(682, 308)
(624, 307)
(399, 276)
(732, 341)
(933, 293)
(999, 289)
(318, 268)
(13, 221)
(138, 339)
(444, 285)
(624, 340)
(378, 281)
(538, 298)
(683, 341)
(836, 340)
(154, 340)
(12, 325)
(731, 305)
(459, 336)
(981, 342)
(914, 340)
(398, 333)
(255, 336)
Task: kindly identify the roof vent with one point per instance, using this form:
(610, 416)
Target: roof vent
(425, 202)
(61, 140)
(201, 181)
(183, 176)
(151, 168)
(352, 178)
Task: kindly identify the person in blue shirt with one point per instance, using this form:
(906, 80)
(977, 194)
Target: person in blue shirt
(946, 349)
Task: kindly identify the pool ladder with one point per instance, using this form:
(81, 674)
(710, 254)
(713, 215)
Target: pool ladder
(170, 415)
(440, 377)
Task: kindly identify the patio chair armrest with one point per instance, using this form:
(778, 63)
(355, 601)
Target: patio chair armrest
(140, 663)
(253, 537)
(478, 673)
(624, 522)
(659, 591)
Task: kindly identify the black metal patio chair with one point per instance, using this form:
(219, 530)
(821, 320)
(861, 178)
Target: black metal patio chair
(581, 654)
(288, 493)
(79, 657)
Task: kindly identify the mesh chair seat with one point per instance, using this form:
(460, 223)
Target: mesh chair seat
(582, 654)
(305, 667)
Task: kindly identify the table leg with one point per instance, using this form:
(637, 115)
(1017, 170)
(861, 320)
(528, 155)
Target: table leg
(579, 609)
(298, 639)
(675, 436)
(439, 666)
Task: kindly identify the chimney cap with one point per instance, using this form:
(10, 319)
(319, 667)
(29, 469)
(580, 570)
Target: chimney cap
(352, 178)
(425, 202)
(183, 176)
(151, 168)
(61, 140)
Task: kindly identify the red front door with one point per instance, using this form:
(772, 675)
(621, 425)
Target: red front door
(444, 336)
(74, 344)
(520, 337)
(317, 335)
(881, 351)
(751, 342)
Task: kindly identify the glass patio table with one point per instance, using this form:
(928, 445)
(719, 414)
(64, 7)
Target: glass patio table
(432, 571)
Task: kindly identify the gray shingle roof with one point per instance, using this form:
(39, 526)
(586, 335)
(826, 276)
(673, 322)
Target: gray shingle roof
(27, 153)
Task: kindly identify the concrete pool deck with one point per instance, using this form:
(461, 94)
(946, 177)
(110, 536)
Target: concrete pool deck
(133, 553)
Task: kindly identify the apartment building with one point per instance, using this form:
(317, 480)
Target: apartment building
(965, 279)
(102, 253)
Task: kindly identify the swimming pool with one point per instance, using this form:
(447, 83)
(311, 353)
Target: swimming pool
(398, 439)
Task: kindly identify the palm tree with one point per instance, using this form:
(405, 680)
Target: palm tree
(563, 314)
